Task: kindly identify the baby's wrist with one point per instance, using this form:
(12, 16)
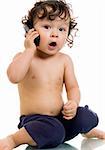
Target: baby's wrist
(30, 49)
(76, 102)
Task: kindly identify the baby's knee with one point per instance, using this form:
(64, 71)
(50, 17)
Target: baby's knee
(88, 119)
(59, 135)
(46, 131)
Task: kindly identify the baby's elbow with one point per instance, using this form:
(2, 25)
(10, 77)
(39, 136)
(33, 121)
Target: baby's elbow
(12, 77)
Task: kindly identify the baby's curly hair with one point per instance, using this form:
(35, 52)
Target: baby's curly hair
(51, 9)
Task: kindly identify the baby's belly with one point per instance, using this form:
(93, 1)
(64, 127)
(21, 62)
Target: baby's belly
(45, 106)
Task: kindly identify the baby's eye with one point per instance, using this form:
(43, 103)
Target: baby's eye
(47, 27)
(61, 29)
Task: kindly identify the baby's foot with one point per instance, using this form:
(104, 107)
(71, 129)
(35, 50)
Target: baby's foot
(95, 133)
(7, 143)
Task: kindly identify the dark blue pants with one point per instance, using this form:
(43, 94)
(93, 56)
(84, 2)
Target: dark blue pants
(83, 122)
(49, 131)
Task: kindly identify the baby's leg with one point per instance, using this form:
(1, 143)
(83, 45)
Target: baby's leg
(16, 139)
(95, 133)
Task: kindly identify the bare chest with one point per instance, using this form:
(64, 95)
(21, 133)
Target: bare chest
(46, 73)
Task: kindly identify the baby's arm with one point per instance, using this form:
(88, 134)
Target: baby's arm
(72, 89)
(21, 62)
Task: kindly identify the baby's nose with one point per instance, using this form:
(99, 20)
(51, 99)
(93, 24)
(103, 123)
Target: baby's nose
(54, 34)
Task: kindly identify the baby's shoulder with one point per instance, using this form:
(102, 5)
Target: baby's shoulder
(66, 58)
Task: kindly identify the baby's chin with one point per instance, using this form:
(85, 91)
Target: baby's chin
(47, 53)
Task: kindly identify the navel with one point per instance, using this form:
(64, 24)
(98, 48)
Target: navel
(33, 77)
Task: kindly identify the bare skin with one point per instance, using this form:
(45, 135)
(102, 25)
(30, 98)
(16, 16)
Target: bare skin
(40, 74)
(95, 133)
(36, 85)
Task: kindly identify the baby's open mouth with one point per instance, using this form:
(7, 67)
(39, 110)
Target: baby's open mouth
(53, 44)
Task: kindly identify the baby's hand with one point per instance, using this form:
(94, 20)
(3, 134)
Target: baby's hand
(69, 109)
(29, 41)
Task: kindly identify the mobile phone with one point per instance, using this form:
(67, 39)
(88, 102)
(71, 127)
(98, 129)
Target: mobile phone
(37, 39)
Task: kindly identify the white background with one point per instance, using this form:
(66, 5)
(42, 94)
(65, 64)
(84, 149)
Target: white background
(87, 54)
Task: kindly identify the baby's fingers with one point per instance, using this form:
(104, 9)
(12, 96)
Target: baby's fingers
(29, 32)
(67, 117)
(68, 114)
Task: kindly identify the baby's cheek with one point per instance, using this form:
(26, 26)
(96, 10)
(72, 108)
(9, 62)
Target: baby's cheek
(44, 37)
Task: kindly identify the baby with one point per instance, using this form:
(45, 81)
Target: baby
(40, 72)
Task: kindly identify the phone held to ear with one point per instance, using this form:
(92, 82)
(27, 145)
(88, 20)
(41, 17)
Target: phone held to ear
(37, 39)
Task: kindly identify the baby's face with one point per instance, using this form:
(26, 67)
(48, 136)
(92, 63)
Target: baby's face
(53, 34)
